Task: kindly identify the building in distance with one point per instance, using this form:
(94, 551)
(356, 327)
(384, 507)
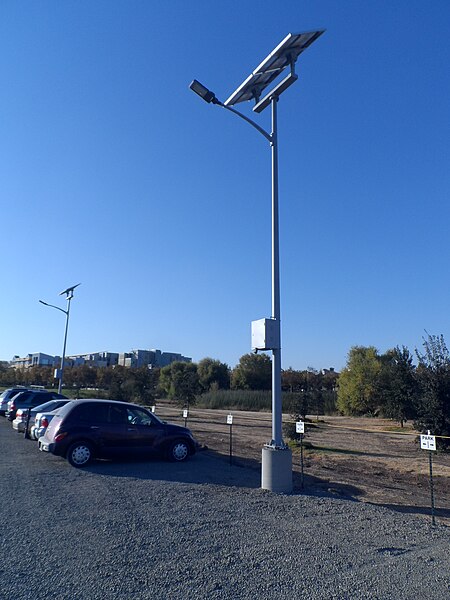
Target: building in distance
(135, 359)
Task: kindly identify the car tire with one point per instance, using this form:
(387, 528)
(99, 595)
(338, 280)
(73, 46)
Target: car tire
(178, 451)
(80, 454)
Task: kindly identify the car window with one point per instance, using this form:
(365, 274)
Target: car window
(138, 416)
(117, 414)
(92, 413)
(50, 405)
(21, 396)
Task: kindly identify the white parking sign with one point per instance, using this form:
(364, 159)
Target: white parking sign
(428, 442)
(300, 427)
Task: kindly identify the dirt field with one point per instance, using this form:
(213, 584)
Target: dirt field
(361, 458)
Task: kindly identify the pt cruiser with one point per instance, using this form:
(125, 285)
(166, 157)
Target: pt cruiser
(86, 429)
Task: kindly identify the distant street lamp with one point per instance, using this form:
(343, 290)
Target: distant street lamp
(69, 296)
(276, 456)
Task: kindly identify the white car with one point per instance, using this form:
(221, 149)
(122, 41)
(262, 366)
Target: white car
(20, 422)
(40, 425)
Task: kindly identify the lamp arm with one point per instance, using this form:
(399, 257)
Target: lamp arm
(53, 306)
(268, 137)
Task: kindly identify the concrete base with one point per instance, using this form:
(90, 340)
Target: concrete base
(276, 474)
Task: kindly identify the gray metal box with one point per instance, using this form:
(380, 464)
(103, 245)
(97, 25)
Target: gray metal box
(265, 334)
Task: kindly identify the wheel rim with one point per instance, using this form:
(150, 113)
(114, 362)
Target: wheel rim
(81, 455)
(180, 451)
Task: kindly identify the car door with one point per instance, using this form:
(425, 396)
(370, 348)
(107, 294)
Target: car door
(90, 421)
(144, 431)
(115, 433)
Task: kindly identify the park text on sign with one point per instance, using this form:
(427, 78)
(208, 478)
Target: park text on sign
(229, 419)
(428, 442)
(299, 427)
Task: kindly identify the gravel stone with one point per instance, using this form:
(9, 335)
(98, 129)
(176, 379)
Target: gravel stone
(200, 530)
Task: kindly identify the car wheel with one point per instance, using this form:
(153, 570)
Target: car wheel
(80, 454)
(178, 451)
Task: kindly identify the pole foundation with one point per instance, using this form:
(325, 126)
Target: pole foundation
(276, 472)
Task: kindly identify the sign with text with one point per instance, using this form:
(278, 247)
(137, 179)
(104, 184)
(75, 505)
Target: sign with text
(428, 442)
(300, 427)
(185, 413)
(229, 419)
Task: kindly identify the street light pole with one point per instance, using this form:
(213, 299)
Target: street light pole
(69, 296)
(277, 416)
(276, 456)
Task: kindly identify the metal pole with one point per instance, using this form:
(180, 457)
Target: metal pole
(301, 462)
(61, 375)
(433, 520)
(277, 417)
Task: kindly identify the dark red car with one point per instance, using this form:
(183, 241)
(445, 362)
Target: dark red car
(86, 429)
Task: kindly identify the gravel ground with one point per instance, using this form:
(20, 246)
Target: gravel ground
(203, 529)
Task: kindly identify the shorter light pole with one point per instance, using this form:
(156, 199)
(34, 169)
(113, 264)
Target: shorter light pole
(69, 296)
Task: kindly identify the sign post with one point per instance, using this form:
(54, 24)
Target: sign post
(300, 429)
(230, 423)
(185, 415)
(428, 442)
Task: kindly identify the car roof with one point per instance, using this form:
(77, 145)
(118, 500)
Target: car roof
(67, 407)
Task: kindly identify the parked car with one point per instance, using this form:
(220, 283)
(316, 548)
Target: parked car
(29, 399)
(6, 396)
(20, 421)
(86, 429)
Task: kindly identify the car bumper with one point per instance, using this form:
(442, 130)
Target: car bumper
(18, 426)
(37, 432)
(46, 447)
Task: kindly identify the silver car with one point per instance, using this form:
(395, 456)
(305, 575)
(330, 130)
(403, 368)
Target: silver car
(6, 396)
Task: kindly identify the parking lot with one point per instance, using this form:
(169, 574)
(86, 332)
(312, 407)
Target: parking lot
(199, 529)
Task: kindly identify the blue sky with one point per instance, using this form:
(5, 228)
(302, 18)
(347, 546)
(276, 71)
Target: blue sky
(114, 174)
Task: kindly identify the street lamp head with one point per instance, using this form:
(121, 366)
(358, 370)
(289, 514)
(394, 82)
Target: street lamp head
(203, 92)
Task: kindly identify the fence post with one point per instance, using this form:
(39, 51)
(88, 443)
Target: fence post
(230, 423)
(300, 428)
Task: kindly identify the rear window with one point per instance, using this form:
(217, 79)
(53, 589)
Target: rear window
(91, 413)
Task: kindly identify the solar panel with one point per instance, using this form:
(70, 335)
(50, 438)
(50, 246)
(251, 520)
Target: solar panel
(284, 55)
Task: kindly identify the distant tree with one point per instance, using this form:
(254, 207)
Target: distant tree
(8, 375)
(180, 382)
(104, 377)
(81, 376)
(433, 399)
(292, 380)
(357, 382)
(116, 391)
(299, 403)
(140, 385)
(396, 388)
(254, 372)
(213, 374)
